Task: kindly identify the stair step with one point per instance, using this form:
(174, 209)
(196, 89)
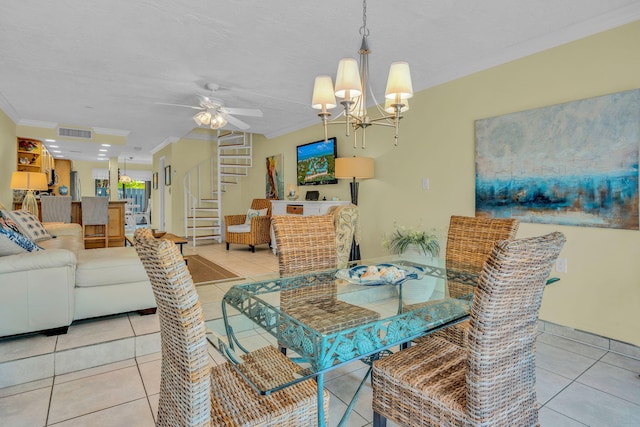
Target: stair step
(203, 218)
(232, 174)
(205, 209)
(208, 236)
(210, 200)
(204, 227)
(229, 182)
(231, 165)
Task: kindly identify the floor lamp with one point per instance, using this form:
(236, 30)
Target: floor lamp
(29, 181)
(354, 168)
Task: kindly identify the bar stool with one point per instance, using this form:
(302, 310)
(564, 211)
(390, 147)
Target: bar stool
(56, 209)
(95, 214)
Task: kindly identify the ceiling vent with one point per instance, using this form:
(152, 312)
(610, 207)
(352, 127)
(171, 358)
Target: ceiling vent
(75, 133)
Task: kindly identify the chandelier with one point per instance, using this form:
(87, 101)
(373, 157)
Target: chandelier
(351, 86)
(210, 118)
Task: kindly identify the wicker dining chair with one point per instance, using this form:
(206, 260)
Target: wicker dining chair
(308, 243)
(491, 381)
(256, 232)
(470, 240)
(192, 393)
(346, 221)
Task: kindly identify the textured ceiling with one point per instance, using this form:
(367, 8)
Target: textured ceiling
(107, 64)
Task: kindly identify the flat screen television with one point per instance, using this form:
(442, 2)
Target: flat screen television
(317, 162)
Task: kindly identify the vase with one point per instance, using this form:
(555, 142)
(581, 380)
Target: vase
(416, 291)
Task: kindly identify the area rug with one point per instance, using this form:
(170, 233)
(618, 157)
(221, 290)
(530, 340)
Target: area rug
(204, 271)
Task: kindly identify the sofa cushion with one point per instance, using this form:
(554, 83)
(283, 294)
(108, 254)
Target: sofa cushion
(109, 266)
(70, 243)
(29, 225)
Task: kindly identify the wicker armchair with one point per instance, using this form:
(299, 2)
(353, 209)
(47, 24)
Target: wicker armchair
(469, 242)
(256, 233)
(308, 243)
(492, 381)
(192, 393)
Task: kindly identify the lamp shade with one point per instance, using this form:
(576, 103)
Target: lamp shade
(348, 83)
(399, 82)
(354, 167)
(323, 96)
(28, 181)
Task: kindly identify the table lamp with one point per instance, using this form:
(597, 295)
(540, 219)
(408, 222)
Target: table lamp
(29, 181)
(354, 168)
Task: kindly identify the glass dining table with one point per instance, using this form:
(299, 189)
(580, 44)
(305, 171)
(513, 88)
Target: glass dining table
(326, 319)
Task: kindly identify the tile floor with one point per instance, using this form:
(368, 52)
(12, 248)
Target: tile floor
(44, 384)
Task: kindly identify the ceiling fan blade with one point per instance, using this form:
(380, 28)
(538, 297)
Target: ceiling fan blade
(236, 122)
(181, 105)
(243, 111)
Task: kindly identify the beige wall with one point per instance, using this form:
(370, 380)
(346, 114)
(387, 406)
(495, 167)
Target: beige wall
(601, 291)
(8, 157)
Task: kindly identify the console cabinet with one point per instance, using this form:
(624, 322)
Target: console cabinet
(303, 207)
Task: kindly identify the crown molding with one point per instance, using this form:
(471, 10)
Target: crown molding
(37, 123)
(164, 143)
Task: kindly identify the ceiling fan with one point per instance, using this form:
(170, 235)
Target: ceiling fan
(214, 114)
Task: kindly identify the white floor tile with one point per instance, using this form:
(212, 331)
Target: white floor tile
(87, 332)
(94, 355)
(130, 414)
(25, 409)
(595, 408)
(619, 382)
(33, 345)
(87, 395)
(26, 370)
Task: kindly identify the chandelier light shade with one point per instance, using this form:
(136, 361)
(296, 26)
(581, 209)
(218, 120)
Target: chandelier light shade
(29, 181)
(389, 106)
(348, 84)
(217, 121)
(323, 96)
(352, 86)
(399, 85)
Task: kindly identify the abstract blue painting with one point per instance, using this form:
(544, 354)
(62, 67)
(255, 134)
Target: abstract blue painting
(569, 164)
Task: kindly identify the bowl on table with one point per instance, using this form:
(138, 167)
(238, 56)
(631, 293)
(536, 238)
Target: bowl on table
(158, 234)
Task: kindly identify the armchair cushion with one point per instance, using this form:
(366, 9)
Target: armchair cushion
(241, 228)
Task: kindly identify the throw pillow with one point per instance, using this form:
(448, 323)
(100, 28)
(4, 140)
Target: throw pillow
(7, 247)
(29, 225)
(251, 213)
(19, 240)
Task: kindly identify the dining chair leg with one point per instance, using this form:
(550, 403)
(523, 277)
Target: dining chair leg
(379, 420)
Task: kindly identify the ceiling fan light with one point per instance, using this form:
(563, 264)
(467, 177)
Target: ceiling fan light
(218, 121)
(399, 82)
(348, 83)
(202, 118)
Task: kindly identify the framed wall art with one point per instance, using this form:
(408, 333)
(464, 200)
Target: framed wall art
(569, 164)
(155, 180)
(274, 177)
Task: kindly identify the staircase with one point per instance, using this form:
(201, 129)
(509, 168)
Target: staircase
(206, 181)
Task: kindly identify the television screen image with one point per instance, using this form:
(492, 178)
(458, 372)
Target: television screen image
(317, 162)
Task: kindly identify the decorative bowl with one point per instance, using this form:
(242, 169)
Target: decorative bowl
(380, 274)
(158, 234)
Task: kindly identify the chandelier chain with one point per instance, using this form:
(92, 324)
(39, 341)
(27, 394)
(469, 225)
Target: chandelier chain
(364, 31)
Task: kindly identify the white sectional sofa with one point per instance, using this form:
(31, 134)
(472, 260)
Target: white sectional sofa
(47, 290)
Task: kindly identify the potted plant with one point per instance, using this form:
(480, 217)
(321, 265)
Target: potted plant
(405, 239)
